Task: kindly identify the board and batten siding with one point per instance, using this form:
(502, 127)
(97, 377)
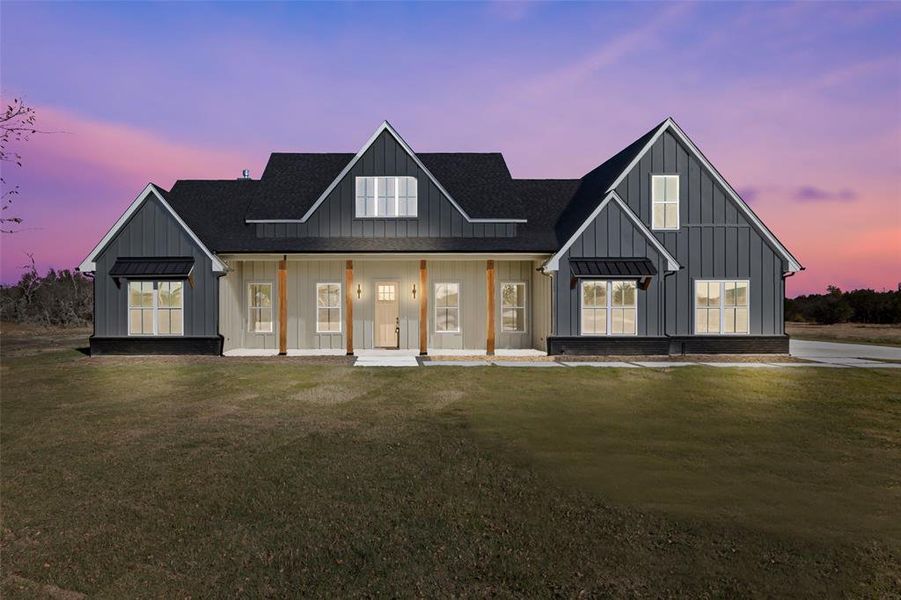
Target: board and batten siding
(336, 216)
(612, 234)
(519, 271)
(541, 306)
(471, 275)
(233, 305)
(303, 275)
(152, 231)
(302, 303)
(368, 273)
(714, 240)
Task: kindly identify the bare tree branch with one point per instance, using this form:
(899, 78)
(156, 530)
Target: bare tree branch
(17, 125)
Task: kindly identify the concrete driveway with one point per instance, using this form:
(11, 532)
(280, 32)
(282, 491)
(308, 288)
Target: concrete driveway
(826, 351)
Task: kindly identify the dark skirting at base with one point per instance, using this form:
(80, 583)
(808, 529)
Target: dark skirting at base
(675, 345)
(156, 345)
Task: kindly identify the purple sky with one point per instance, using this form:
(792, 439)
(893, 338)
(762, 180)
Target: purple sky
(798, 105)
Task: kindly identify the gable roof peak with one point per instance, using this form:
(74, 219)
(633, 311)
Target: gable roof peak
(89, 264)
(648, 140)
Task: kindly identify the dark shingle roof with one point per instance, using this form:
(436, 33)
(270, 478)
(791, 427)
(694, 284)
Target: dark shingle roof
(593, 186)
(480, 182)
(292, 182)
(214, 210)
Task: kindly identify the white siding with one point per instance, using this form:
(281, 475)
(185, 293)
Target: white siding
(541, 308)
(304, 274)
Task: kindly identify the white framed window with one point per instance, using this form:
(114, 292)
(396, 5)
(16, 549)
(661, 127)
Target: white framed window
(608, 307)
(386, 292)
(722, 307)
(513, 306)
(259, 307)
(390, 197)
(328, 308)
(664, 202)
(447, 308)
(155, 308)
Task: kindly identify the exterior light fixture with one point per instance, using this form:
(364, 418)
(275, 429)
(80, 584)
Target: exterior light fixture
(414, 291)
(359, 291)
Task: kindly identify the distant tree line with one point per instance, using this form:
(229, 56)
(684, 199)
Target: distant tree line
(64, 298)
(836, 306)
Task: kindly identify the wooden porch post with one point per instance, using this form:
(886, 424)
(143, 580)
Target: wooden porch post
(283, 306)
(349, 306)
(423, 309)
(490, 281)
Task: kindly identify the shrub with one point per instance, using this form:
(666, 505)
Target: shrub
(835, 306)
(58, 298)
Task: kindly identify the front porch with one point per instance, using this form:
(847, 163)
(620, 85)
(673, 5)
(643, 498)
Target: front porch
(303, 305)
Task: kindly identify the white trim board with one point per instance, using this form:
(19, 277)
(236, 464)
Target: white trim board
(386, 256)
(385, 126)
(669, 123)
(553, 263)
(89, 265)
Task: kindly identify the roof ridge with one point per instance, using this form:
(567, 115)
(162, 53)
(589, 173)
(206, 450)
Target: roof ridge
(308, 153)
(498, 152)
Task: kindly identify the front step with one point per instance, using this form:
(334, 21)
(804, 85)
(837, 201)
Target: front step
(386, 361)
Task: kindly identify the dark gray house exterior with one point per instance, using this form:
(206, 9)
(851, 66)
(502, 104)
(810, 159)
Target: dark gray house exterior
(652, 252)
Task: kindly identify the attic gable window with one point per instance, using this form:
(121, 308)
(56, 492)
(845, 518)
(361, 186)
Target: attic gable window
(665, 201)
(386, 197)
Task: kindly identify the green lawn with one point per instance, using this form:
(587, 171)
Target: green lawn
(126, 477)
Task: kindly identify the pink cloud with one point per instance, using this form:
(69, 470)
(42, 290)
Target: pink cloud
(76, 183)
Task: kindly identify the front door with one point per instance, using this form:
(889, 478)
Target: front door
(386, 315)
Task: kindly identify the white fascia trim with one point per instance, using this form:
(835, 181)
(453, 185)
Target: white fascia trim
(671, 263)
(386, 256)
(553, 263)
(385, 126)
(89, 265)
(793, 264)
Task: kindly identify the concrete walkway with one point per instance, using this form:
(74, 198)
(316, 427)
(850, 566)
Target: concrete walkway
(823, 354)
(813, 350)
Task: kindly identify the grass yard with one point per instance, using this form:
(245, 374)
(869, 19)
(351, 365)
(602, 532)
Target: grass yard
(126, 477)
(852, 333)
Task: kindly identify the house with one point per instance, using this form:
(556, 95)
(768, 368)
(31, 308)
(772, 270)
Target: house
(652, 252)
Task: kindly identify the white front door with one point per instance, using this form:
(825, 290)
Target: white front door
(386, 315)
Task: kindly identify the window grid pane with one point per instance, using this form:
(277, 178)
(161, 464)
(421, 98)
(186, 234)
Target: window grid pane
(386, 293)
(328, 308)
(609, 308)
(155, 308)
(513, 307)
(259, 308)
(447, 307)
(665, 201)
(722, 307)
(386, 197)
(594, 321)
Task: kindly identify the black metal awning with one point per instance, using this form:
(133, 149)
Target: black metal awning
(639, 269)
(612, 268)
(153, 267)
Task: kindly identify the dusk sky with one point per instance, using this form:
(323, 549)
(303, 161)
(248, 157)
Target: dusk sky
(798, 105)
